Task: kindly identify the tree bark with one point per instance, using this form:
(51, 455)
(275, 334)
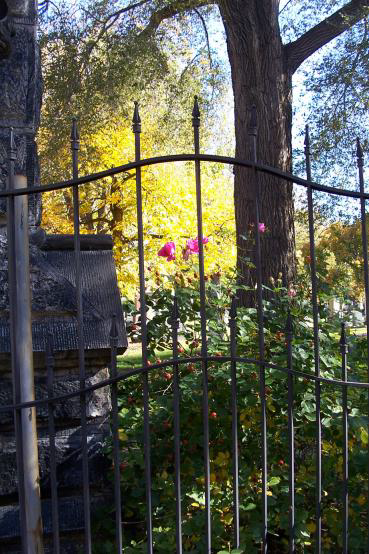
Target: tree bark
(260, 77)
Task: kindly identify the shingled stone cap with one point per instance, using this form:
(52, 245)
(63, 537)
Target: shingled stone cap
(54, 308)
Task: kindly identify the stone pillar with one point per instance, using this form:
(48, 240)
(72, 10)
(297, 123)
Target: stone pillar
(20, 96)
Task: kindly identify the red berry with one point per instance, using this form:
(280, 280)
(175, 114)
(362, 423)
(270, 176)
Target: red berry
(167, 376)
(213, 415)
(281, 462)
(180, 349)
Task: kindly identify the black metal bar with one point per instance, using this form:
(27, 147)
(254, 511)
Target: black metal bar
(263, 168)
(127, 373)
(260, 311)
(364, 241)
(204, 347)
(233, 345)
(318, 484)
(343, 344)
(177, 431)
(291, 437)
(115, 433)
(13, 341)
(49, 358)
(141, 262)
(81, 342)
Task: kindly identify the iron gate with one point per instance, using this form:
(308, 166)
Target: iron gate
(177, 362)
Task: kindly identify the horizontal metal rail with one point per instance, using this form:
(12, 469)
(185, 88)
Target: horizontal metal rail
(185, 158)
(193, 359)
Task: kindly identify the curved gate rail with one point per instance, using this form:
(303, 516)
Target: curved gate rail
(176, 362)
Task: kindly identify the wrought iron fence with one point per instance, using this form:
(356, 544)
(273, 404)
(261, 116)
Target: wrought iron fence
(21, 410)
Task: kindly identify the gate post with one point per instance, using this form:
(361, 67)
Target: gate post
(24, 363)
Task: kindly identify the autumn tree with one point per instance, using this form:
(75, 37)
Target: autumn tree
(262, 67)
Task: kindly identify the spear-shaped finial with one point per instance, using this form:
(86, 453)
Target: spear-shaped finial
(233, 310)
(307, 139)
(49, 346)
(136, 121)
(74, 135)
(289, 326)
(175, 313)
(359, 153)
(12, 145)
(113, 331)
(196, 113)
(253, 126)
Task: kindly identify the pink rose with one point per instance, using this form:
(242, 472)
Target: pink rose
(192, 247)
(168, 251)
(262, 227)
(291, 293)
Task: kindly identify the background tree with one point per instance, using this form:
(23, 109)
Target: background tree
(134, 35)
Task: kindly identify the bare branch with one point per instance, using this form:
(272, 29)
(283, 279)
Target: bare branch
(170, 11)
(298, 51)
(199, 14)
(117, 13)
(285, 6)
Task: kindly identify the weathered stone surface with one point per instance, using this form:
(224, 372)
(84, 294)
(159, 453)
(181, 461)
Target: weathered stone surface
(70, 516)
(54, 309)
(98, 401)
(68, 457)
(20, 95)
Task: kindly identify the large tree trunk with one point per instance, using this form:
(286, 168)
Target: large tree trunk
(260, 78)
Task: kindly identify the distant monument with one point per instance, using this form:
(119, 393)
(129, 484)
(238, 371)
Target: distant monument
(54, 308)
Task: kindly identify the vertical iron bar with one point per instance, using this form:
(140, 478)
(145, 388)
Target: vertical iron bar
(204, 348)
(176, 401)
(13, 341)
(291, 437)
(137, 131)
(81, 341)
(318, 484)
(364, 240)
(236, 508)
(115, 433)
(49, 355)
(343, 344)
(260, 311)
(24, 361)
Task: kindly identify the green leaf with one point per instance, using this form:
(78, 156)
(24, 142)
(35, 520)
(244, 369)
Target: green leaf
(364, 436)
(274, 481)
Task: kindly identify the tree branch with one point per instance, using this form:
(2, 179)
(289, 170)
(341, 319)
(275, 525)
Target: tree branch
(199, 14)
(170, 11)
(298, 51)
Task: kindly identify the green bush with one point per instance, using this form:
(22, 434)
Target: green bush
(218, 294)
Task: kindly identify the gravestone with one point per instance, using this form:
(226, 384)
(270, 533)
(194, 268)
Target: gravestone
(54, 308)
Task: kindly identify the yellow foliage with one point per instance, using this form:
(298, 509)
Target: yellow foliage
(169, 206)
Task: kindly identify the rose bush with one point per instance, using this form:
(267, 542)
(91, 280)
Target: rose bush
(219, 291)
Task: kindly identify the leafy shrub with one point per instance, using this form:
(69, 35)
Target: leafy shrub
(218, 293)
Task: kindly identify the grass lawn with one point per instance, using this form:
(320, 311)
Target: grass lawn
(132, 357)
